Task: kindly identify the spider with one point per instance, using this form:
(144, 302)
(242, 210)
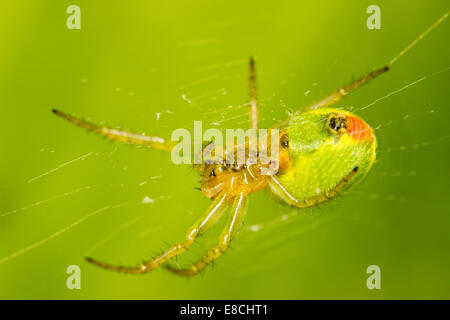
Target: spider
(324, 152)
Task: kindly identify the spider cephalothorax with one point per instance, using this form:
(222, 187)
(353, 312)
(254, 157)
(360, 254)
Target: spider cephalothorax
(249, 176)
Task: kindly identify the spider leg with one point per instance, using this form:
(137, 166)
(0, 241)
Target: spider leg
(206, 221)
(277, 187)
(118, 135)
(253, 103)
(337, 95)
(232, 226)
(340, 93)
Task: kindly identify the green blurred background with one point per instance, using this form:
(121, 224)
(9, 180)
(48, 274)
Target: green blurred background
(153, 67)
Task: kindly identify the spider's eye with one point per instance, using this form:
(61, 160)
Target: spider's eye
(337, 123)
(216, 171)
(284, 141)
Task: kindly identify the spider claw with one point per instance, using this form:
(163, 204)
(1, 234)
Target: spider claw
(89, 259)
(93, 261)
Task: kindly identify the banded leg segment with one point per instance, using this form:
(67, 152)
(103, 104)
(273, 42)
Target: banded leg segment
(279, 190)
(340, 93)
(207, 220)
(118, 135)
(232, 226)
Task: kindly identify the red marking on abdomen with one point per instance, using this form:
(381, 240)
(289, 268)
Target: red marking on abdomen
(358, 129)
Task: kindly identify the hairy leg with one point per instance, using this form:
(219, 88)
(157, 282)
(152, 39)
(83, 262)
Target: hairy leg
(232, 226)
(336, 95)
(118, 135)
(277, 188)
(208, 219)
(340, 93)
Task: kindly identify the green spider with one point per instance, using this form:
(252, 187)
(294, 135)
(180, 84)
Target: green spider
(324, 151)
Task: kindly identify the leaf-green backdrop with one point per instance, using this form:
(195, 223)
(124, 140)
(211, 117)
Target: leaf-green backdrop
(155, 66)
